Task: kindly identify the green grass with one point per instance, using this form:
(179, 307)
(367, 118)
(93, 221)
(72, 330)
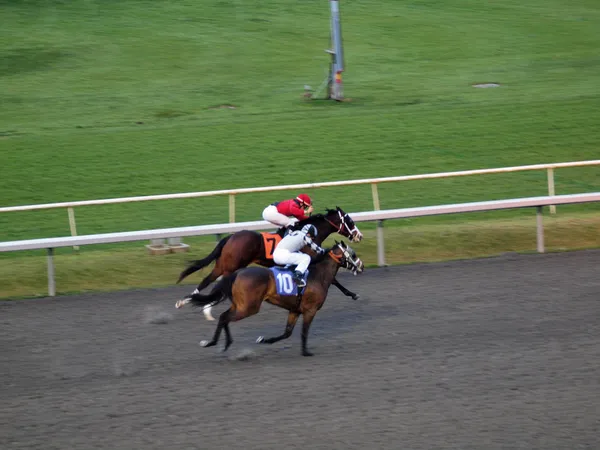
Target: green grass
(106, 99)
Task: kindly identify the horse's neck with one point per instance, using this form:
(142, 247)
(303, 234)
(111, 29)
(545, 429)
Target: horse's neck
(324, 229)
(327, 269)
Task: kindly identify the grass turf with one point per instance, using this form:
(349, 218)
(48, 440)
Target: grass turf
(109, 99)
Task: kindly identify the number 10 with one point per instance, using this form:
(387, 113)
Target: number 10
(286, 283)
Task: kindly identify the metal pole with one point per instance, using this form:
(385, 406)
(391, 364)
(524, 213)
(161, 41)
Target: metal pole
(551, 188)
(72, 225)
(51, 283)
(540, 230)
(337, 66)
(231, 208)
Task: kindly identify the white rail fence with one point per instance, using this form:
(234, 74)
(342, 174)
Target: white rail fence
(231, 193)
(532, 202)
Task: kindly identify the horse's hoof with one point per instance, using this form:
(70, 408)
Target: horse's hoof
(204, 343)
(356, 297)
(307, 353)
(181, 303)
(260, 340)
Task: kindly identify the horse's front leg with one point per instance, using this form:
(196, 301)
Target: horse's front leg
(345, 291)
(289, 327)
(308, 317)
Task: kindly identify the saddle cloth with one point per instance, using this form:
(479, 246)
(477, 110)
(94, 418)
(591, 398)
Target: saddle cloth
(270, 241)
(284, 281)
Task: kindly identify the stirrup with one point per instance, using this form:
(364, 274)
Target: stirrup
(299, 279)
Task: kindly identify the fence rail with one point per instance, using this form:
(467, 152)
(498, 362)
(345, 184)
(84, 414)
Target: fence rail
(374, 182)
(537, 202)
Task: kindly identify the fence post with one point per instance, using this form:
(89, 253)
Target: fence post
(540, 230)
(380, 237)
(51, 283)
(72, 225)
(380, 244)
(375, 194)
(231, 208)
(551, 188)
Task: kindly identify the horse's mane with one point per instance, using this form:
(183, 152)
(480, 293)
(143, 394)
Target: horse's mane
(317, 259)
(314, 218)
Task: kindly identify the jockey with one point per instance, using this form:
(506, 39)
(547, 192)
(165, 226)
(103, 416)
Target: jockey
(287, 212)
(288, 251)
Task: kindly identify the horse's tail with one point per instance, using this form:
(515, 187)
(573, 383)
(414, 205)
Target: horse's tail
(201, 263)
(220, 292)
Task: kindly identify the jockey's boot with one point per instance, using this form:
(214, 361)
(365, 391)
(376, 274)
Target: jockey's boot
(283, 231)
(299, 279)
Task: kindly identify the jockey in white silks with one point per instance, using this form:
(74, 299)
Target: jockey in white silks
(288, 251)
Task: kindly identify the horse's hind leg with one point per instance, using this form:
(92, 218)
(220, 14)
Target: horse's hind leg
(289, 327)
(233, 314)
(224, 320)
(345, 291)
(212, 276)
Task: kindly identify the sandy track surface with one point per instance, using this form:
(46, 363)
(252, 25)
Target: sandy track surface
(498, 353)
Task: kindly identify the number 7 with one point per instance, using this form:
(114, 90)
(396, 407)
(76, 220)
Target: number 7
(272, 241)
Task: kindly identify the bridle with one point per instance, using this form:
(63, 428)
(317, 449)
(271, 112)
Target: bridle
(344, 226)
(336, 258)
(345, 260)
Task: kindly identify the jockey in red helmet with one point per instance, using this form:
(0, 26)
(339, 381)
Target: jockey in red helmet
(287, 212)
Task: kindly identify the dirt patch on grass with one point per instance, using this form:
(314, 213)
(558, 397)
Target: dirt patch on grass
(486, 85)
(223, 107)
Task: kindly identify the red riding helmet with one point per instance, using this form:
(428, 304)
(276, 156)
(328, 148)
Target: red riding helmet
(304, 198)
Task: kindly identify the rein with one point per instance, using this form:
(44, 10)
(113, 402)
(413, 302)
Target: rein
(337, 259)
(334, 225)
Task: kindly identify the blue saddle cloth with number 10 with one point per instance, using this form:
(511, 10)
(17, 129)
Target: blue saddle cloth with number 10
(285, 281)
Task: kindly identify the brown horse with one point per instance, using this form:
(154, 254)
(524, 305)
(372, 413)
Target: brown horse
(245, 247)
(248, 288)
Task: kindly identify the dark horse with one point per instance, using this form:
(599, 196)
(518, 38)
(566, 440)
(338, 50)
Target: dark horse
(247, 288)
(240, 249)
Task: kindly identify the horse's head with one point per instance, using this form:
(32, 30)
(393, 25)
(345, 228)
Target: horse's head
(344, 224)
(346, 257)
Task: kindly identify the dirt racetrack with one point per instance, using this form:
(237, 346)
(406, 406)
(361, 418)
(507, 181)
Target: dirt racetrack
(500, 353)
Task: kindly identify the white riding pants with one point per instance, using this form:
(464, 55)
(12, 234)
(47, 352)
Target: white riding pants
(282, 256)
(270, 214)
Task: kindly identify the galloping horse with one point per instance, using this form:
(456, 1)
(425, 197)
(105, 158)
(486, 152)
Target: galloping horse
(248, 288)
(240, 249)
